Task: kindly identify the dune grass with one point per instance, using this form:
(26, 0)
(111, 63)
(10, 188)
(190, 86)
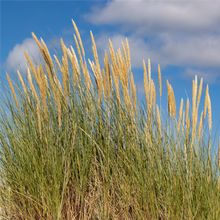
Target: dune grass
(77, 145)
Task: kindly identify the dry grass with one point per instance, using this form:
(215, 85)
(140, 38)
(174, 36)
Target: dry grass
(89, 150)
(12, 88)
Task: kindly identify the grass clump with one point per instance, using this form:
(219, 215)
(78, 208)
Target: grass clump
(78, 145)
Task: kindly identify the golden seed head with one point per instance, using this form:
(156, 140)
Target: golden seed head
(200, 93)
(200, 126)
(95, 53)
(58, 62)
(183, 121)
(128, 54)
(75, 68)
(146, 87)
(12, 89)
(38, 43)
(209, 113)
(80, 56)
(149, 70)
(23, 85)
(31, 65)
(159, 78)
(116, 82)
(107, 70)
(125, 75)
(51, 80)
(65, 68)
(79, 38)
(133, 92)
(49, 59)
(158, 120)
(43, 91)
(125, 56)
(112, 55)
(98, 69)
(173, 103)
(180, 114)
(31, 84)
(194, 94)
(64, 73)
(75, 60)
(169, 98)
(206, 100)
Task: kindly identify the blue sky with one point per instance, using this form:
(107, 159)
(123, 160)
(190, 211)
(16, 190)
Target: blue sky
(182, 36)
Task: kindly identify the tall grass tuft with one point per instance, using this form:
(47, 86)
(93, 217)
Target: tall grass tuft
(82, 149)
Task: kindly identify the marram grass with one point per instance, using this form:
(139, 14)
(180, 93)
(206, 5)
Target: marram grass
(76, 145)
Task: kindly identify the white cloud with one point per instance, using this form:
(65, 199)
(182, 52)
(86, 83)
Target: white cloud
(208, 77)
(139, 50)
(16, 57)
(157, 16)
(202, 51)
(180, 33)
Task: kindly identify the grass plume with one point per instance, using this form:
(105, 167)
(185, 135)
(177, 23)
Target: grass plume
(102, 154)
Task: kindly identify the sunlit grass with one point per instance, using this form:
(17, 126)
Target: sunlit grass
(78, 145)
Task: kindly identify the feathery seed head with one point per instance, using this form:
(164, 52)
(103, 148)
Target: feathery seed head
(79, 38)
(173, 103)
(30, 63)
(75, 60)
(206, 100)
(98, 69)
(31, 84)
(116, 83)
(159, 121)
(128, 54)
(107, 70)
(79, 53)
(125, 56)
(209, 113)
(38, 43)
(183, 121)
(133, 92)
(194, 112)
(43, 91)
(169, 98)
(58, 62)
(23, 85)
(64, 73)
(51, 81)
(180, 114)
(149, 71)
(12, 89)
(48, 57)
(200, 93)
(159, 78)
